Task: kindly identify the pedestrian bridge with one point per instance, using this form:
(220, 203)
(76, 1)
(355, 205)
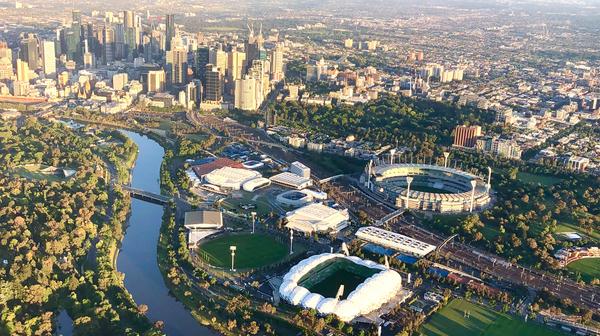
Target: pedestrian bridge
(148, 196)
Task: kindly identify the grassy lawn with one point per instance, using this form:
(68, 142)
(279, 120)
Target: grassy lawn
(588, 268)
(33, 174)
(571, 227)
(450, 321)
(253, 250)
(543, 180)
(263, 208)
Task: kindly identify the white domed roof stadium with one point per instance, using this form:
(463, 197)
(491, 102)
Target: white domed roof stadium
(324, 273)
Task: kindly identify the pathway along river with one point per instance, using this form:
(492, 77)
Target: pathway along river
(138, 256)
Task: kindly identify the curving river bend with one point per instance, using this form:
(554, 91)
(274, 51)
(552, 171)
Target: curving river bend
(137, 258)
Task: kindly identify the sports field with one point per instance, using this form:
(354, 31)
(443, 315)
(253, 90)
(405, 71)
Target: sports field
(588, 268)
(543, 180)
(451, 321)
(327, 278)
(253, 250)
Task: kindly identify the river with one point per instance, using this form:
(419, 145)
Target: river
(137, 258)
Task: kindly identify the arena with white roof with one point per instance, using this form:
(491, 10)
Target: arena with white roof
(317, 217)
(370, 295)
(233, 178)
(396, 241)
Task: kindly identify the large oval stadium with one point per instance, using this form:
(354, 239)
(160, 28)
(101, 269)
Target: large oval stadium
(429, 187)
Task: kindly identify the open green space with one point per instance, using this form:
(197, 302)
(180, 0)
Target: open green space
(588, 268)
(326, 278)
(33, 172)
(253, 250)
(259, 204)
(451, 321)
(543, 180)
(568, 226)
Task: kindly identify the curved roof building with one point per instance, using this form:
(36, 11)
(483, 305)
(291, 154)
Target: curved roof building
(378, 287)
(231, 178)
(433, 188)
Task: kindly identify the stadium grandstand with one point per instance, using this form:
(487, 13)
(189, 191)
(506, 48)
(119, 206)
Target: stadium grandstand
(395, 241)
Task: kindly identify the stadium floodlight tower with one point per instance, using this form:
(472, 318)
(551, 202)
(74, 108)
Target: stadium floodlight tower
(489, 181)
(473, 185)
(409, 180)
(291, 241)
(392, 152)
(232, 248)
(446, 155)
(253, 213)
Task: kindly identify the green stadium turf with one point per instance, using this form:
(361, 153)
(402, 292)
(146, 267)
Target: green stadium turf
(327, 278)
(588, 268)
(253, 250)
(450, 321)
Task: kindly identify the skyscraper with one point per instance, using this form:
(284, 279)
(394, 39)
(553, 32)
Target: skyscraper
(156, 81)
(22, 71)
(245, 93)
(218, 58)
(128, 19)
(213, 89)
(177, 66)
(235, 66)
(6, 68)
(466, 136)
(277, 63)
(29, 50)
(170, 30)
(202, 59)
(49, 58)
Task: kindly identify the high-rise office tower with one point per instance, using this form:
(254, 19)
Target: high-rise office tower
(120, 47)
(202, 59)
(29, 50)
(22, 71)
(128, 19)
(277, 63)
(218, 58)
(156, 81)
(49, 58)
(213, 89)
(235, 66)
(245, 93)
(170, 30)
(75, 47)
(6, 68)
(466, 136)
(108, 51)
(176, 61)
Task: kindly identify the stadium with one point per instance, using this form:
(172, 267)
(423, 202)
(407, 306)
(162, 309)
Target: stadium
(429, 187)
(316, 283)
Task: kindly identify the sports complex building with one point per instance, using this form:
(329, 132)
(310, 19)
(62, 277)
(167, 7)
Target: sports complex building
(317, 217)
(395, 241)
(346, 286)
(428, 187)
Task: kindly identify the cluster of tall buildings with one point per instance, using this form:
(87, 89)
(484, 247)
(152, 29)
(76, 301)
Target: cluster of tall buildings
(165, 59)
(471, 137)
(441, 73)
